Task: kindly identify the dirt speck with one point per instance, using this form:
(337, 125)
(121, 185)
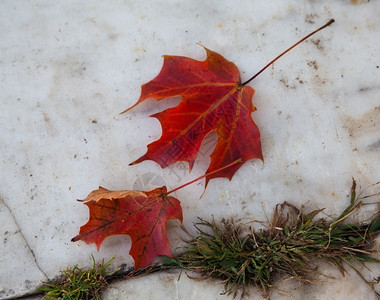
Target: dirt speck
(284, 81)
(313, 64)
(317, 42)
(364, 130)
(310, 18)
(46, 117)
(300, 80)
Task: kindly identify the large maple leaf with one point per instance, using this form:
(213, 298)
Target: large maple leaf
(213, 99)
(141, 215)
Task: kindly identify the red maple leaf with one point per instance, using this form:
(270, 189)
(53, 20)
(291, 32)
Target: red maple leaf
(141, 215)
(213, 99)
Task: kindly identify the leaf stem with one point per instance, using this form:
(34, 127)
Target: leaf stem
(205, 175)
(299, 42)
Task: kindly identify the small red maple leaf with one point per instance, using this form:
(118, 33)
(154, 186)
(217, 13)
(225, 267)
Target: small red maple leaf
(213, 99)
(141, 215)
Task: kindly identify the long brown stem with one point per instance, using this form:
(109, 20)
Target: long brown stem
(299, 42)
(205, 175)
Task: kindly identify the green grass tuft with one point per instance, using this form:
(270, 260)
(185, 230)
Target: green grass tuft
(289, 245)
(77, 283)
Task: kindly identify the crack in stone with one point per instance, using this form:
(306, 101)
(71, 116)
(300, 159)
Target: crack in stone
(23, 237)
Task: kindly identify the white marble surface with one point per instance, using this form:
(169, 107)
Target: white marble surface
(69, 68)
